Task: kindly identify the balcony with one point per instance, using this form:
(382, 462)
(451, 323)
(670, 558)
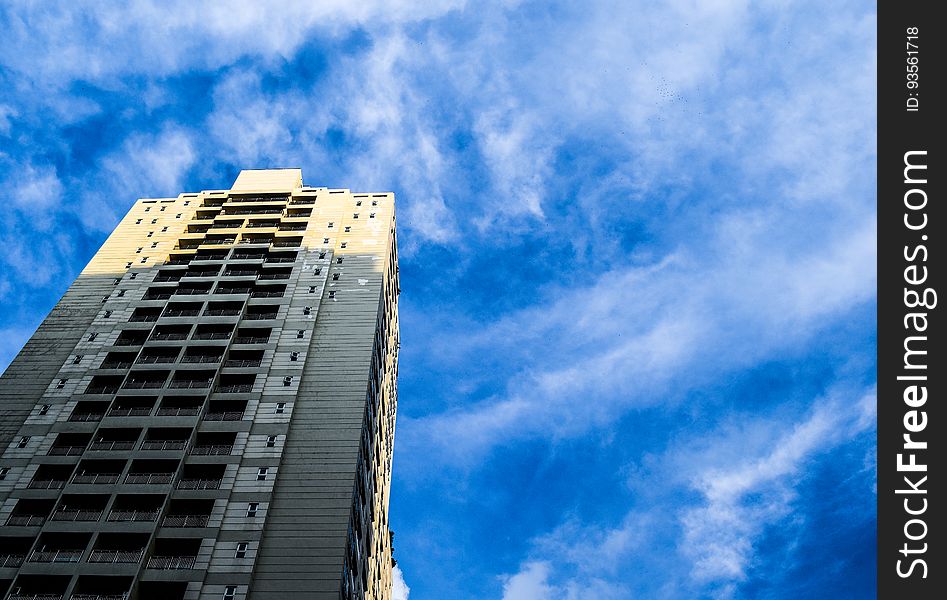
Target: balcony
(233, 290)
(114, 364)
(143, 384)
(251, 340)
(86, 417)
(267, 293)
(65, 555)
(212, 450)
(95, 478)
(211, 335)
(169, 336)
(101, 389)
(143, 318)
(125, 516)
(287, 244)
(191, 291)
(222, 312)
(219, 241)
(99, 555)
(292, 227)
(149, 478)
(65, 451)
(202, 358)
(280, 259)
(186, 521)
(241, 363)
(76, 515)
(198, 484)
(240, 273)
(156, 359)
(162, 295)
(171, 562)
(273, 276)
(299, 201)
(223, 225)
(181, 313)
(259, 316)
(189, 384)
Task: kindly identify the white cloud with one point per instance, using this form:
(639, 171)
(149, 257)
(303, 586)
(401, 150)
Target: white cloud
(399, 589)
(36, 188)
(530, 583)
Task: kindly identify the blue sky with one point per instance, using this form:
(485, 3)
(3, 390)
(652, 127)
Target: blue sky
(637, 257)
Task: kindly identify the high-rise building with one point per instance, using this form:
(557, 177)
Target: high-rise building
(209, 411)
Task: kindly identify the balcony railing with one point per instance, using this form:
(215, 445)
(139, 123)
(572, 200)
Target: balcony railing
(108, 445)
(25, 520)
(181, 313)
(280, 259)
(261, 225)
(235, 388)
(122, 596)
(264, 294)
(192, 291)
(130, 341)
(136, 411)
(203, 358)
(100, 555)
(149, 478)
(212, 450)
(101, 389)
(219, 242)
(133, 515)
(31, 596)
(208, 273)
(255, 241)
(167, 277)
(163, 444)
(259, 316)
(211, 335)
(178, 261)
(155, 296)
(303, 201)
(245, 339)
(8, 561)
(222, 312)
(178, 411)
(240, 273)
(142, 318)
(155, 359)
(226, 225)
(85, 417)
(245, 256)
(56, 556)
(224, 416)
(65, 451)
(143, 384)
(177, 335)
(254, 211)
(292, 227)
(189, 384)
(171, 562)
(198, 484)
(250, 362)
(46, 484)
(186, 521)
(76, 515)
(115, 364)
(95, 478)
(288, 244)
(272, 276)
(233, 290)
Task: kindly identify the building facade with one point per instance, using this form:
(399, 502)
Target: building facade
(209, 411)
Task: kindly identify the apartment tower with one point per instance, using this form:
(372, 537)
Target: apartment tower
(209, 411)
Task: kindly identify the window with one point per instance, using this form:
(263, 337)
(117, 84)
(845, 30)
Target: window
(138, 222)
(107, 314)
(355, 216)
(177, 216)
(148, 209)
(280, 407)
(332, 295)
(92, 336)
(23, 441)
(128, 265)
(3, 472)
(230, 592)
(374, 202)
(261, 473)
(241, 550)
(271, 441)
(144, 260)
(153, 221)
(338, 261)
(163, 229)
(331, 225)
(45, 409)
(312, 288)
(187, 203)
(133, 276)
(77, 359)
(322, 254)
(300, 334)
(335, 276)
(307, 310)
(371, 216)
(121, 293)
(325, 240)
(287, 381)
(138, 251)
(294, 356)
(163, 207)
(316, 272)
(358, 203)
(344, 244)
(252, 508)
(348, 229)
(105, 299)
(61, 384)
(154, 244)
(151, 233)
